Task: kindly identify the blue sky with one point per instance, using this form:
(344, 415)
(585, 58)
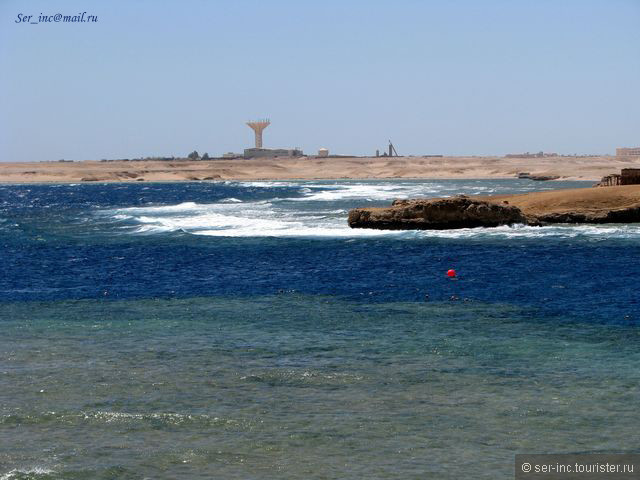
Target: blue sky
(456, 77)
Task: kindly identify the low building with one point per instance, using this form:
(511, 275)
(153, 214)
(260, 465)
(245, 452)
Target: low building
(627, 176)
(271, 152)
(519, 155)
(628, 152)
(526, 155)
(609, 180)
(630, 176)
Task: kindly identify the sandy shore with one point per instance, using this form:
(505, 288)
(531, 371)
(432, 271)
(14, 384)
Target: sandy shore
(308, 168)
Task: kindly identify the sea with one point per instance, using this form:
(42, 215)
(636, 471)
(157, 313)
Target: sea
(241, 330)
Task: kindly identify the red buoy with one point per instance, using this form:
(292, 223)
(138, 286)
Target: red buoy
(451, 273)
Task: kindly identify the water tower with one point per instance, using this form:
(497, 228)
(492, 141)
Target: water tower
(258, 126)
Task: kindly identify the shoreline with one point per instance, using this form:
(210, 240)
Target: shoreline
(313, 169)
(613, 204)
(318, 179)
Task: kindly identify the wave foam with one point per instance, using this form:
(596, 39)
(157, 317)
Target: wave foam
(366, 191)
(21, 472)
(590, 232)
(321, 211)
(240, 219)
(383, 190)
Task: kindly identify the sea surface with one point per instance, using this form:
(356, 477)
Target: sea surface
(241, 330)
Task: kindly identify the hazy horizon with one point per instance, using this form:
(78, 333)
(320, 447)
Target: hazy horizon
(454, 78)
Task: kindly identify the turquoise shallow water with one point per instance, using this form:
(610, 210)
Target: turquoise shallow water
(304, 386)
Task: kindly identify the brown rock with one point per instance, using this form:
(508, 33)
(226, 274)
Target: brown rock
(437, 214)
(620, 204)
(619, 215)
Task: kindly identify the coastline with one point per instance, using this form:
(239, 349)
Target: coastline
(615, 204)
(311, 168)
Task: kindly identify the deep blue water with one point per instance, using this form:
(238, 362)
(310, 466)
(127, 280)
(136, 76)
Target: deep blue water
(56, 246)
(242, 330)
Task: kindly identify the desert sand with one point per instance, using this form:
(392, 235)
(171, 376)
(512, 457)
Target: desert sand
(308, 168)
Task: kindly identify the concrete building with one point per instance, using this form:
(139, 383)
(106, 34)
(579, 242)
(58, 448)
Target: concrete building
(272, 152)
(258, 127)
(630, 176)
(323, 152)
(628, 152)
(540, 154)
(627, 176)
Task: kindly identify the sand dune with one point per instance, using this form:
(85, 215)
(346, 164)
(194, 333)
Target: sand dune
(308, 168)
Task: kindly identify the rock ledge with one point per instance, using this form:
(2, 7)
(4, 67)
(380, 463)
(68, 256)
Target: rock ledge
(437, 214)
(619, 204)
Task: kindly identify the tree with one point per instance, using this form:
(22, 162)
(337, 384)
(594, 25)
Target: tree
(193, 155)
(205, 156)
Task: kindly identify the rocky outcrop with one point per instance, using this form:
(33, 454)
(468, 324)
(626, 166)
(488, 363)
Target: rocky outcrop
(539, 178)
(619, 204)
(437, 214)
(543, 178)
(620, 215)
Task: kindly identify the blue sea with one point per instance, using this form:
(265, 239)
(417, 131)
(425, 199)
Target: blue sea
(241, 330)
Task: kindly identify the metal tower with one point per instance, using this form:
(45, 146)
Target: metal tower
(258, 126)
(392, 150)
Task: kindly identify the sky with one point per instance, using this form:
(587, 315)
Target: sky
(456, 77)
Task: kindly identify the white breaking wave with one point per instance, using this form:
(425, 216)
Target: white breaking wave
(249, 219)
(322, 211)
(294, 231)
(181, 207)
(19, 472)
(374, 191)
(591, 232)
(264, 220)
